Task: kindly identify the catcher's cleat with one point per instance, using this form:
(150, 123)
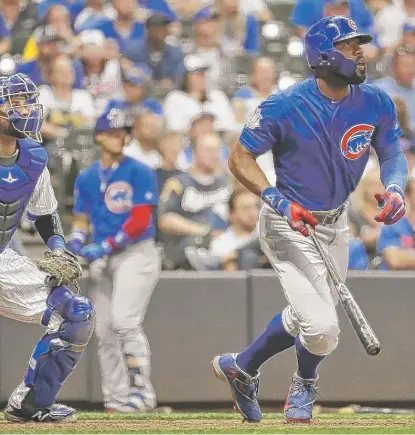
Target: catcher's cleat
(244, 388)
(20, 409)
(301, 397)
(56, 413)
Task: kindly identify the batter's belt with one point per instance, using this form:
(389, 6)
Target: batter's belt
(329, 217)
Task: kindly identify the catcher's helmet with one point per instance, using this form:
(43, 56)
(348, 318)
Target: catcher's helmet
(25, 122)
(320, 40)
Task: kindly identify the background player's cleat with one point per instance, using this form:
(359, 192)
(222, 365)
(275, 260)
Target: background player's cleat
(300, 400)
(20, 409)
(244, 388)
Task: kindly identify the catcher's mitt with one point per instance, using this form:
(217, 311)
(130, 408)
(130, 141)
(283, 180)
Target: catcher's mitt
(61, 265)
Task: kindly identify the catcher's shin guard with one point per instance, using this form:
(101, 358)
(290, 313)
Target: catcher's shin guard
(57, 353)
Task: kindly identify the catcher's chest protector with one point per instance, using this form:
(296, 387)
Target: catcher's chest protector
(17, 183)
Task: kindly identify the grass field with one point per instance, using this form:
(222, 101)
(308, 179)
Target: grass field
(89, 423)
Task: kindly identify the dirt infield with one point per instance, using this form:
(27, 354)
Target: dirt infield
(229, 424)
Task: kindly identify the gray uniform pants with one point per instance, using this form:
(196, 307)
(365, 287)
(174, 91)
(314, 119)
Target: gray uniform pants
(312, 299)
(121, 290)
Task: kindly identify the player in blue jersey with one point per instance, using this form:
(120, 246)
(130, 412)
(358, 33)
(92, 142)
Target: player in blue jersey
(116, 196)
(319, 131)
(26, 293)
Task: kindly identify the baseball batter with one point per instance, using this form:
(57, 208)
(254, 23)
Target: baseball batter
(320, 131)
(26, 293)
(117, 196)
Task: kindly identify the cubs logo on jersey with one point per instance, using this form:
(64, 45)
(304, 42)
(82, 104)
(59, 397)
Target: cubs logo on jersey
(356, 141)
(119, 197)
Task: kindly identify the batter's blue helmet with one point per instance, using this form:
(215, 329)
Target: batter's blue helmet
(18, 92)
(320, 40)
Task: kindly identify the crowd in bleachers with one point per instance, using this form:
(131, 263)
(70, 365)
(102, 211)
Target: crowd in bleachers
(189, 73)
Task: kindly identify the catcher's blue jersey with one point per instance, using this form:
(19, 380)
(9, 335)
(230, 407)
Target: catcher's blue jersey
(107, 196)
(320, 147)
(17, 184)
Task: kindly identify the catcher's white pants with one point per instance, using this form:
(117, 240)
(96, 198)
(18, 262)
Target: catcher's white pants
(120, 290)
(312, 298)
(22, 288)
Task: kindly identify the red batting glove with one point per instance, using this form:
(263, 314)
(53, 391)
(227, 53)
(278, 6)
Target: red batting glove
(393, 207)
(296, 216)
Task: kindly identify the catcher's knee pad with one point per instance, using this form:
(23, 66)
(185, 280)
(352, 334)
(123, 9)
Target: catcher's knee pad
(69, 306)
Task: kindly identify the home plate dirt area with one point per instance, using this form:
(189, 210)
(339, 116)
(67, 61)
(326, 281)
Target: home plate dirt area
(96, 422)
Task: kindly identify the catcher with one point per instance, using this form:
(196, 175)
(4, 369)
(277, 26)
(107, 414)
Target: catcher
(31, 292)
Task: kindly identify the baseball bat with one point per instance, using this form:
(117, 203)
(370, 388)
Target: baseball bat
(357, 409)
(352, 309)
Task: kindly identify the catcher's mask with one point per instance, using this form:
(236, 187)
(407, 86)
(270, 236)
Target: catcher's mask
(20, 106)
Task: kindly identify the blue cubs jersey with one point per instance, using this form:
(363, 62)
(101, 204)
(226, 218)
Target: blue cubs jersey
(108, 196)
(321, 147)
(17, 184)
(399, 235)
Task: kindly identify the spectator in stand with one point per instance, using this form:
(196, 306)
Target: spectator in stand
(165, 60)
(238, 246)
(195, 98)
(187, 202)
(206, 44)
(203, 124)
(308, 12)
(407, 140)
(102, 74)
(50, 45)
(64, 108)
(387, 26)
(21, 19)
(57, 18)
(257, 8)
(401, 81)
(170, 146)
(408, 35)
(396, 242)
(362, 211)
(10, 10)
(263, 82)
(176, 10)
(45, 5)
(358, 259)
(91, 14)
(4, 36)
(239, 33)
(125, 29)
(136, 84)
(146, 133)
(243, 215)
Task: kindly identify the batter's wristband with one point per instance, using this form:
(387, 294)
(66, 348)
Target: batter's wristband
(272, 196)
(397, 189)
(120, 240)
(78, 235)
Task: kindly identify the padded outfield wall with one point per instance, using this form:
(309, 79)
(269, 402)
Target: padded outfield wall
(194, 316)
